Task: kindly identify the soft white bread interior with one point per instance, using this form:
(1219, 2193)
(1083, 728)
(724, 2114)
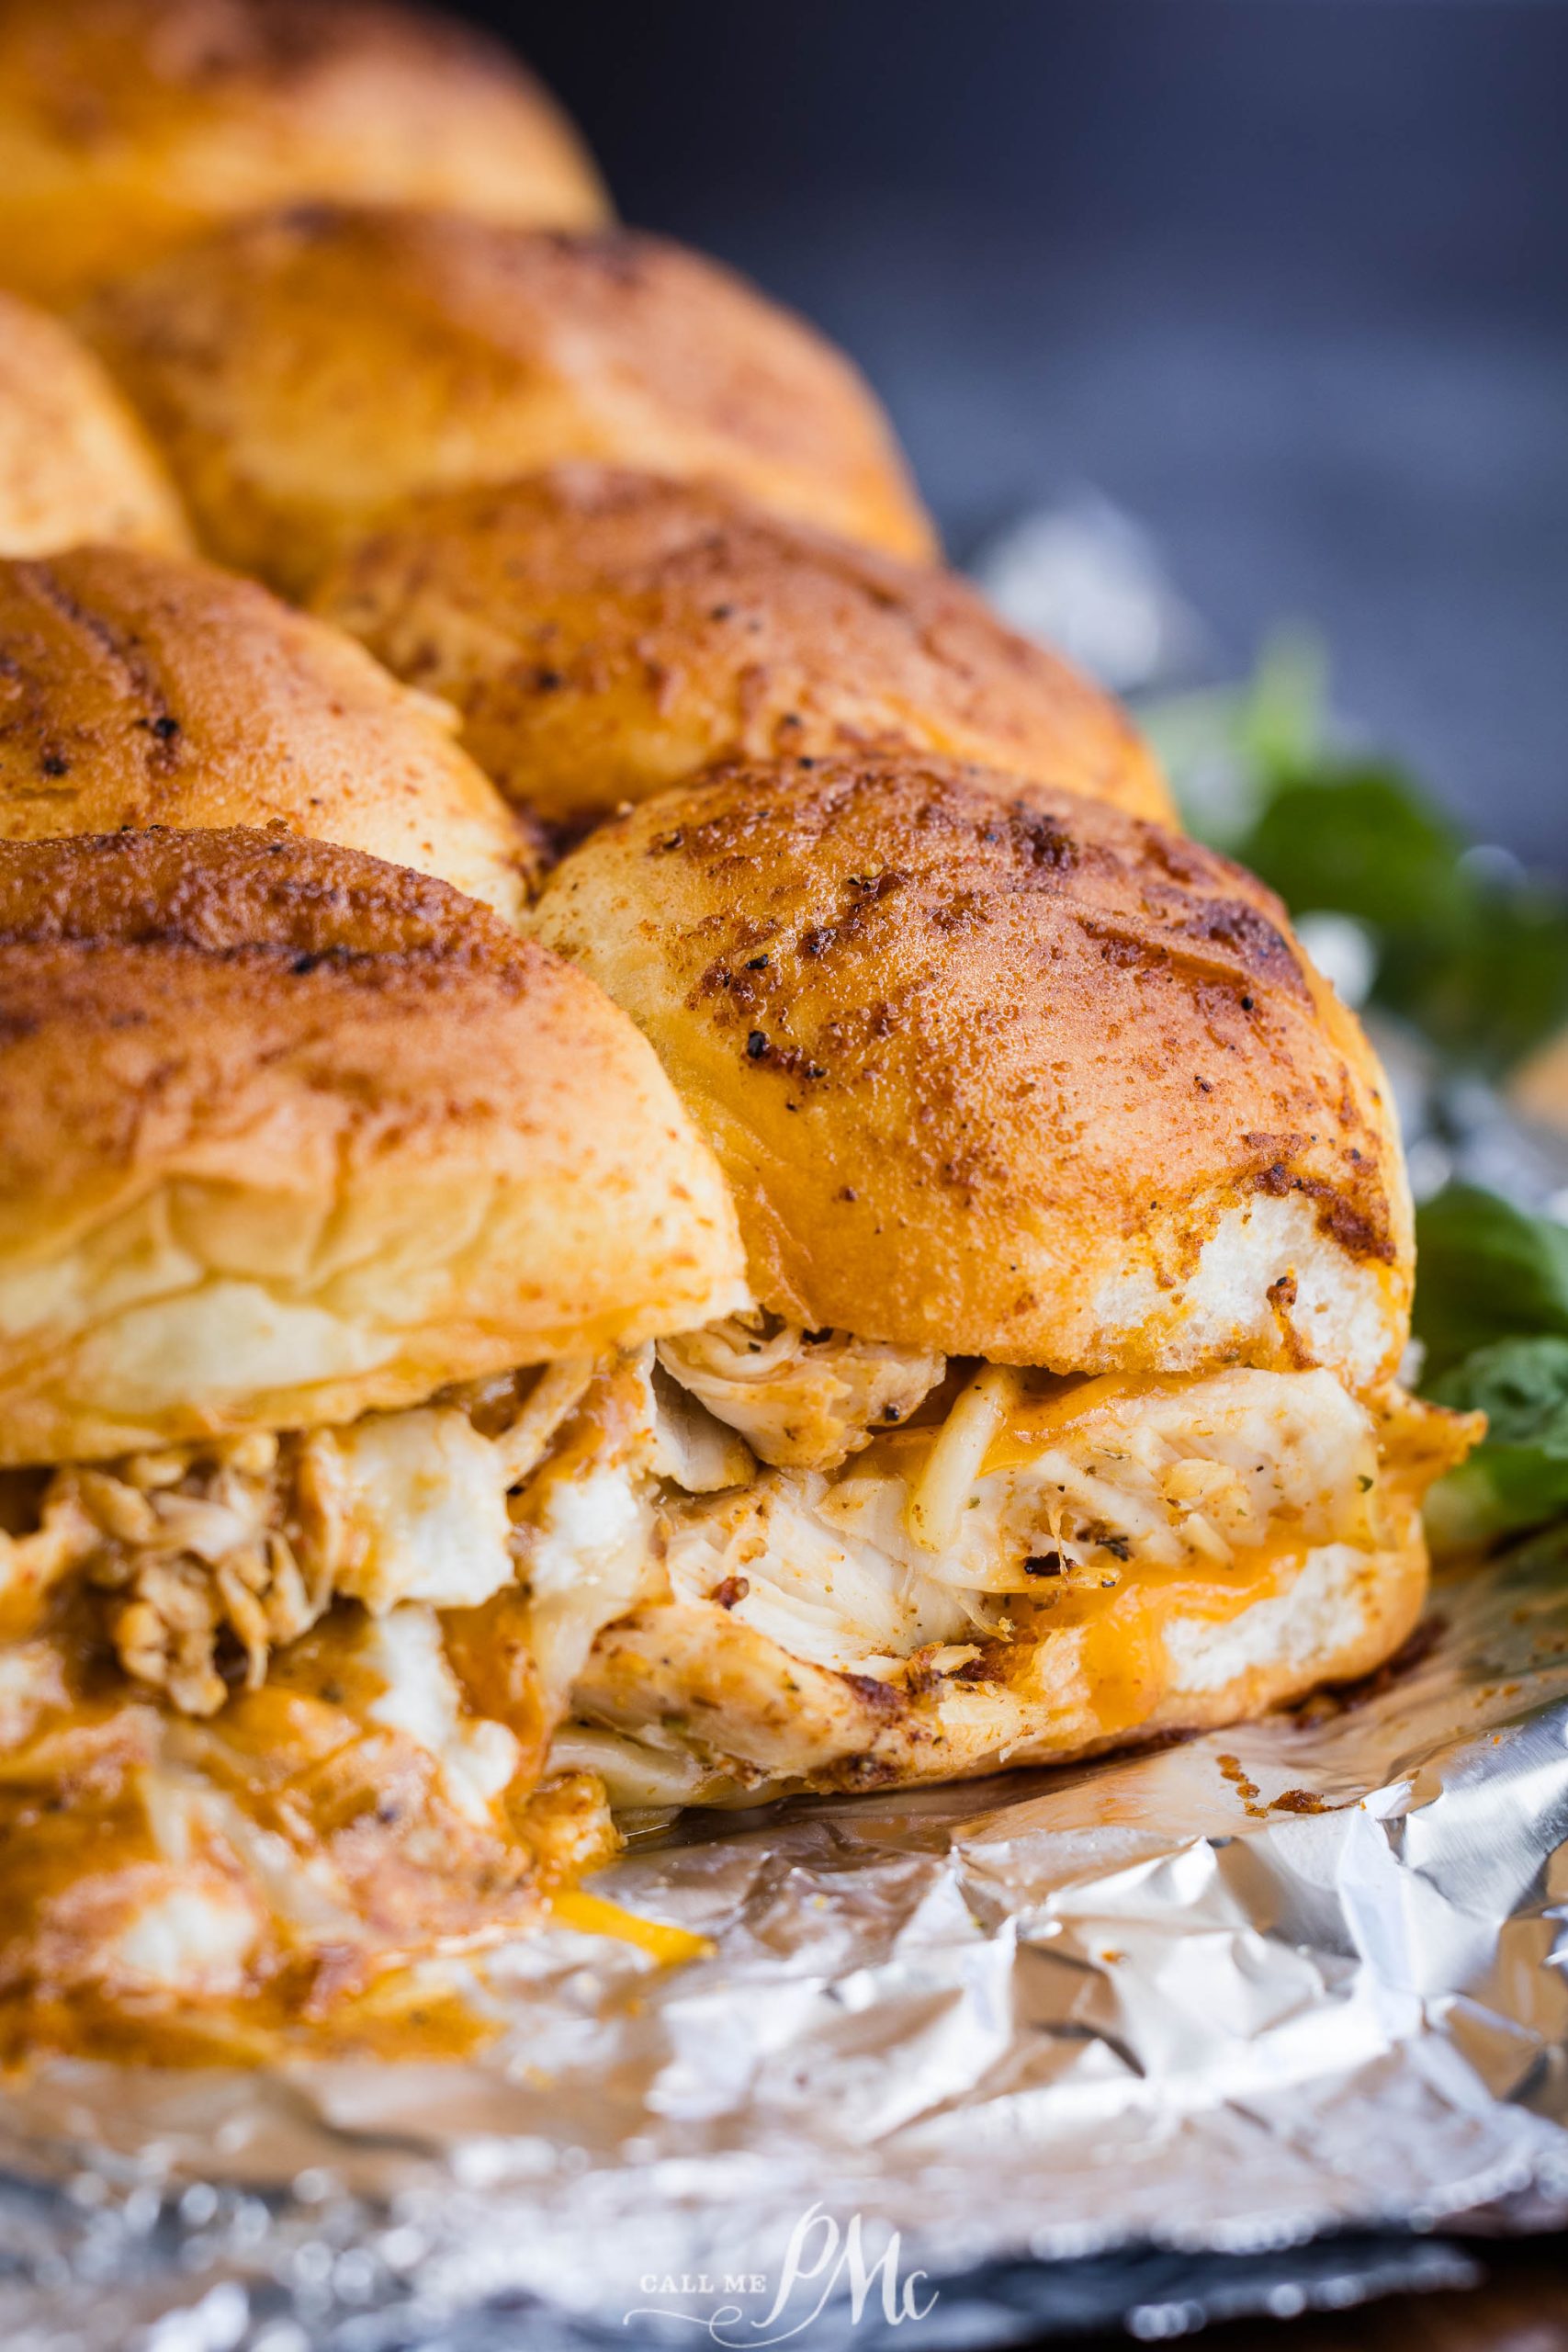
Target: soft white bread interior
(291, 1134)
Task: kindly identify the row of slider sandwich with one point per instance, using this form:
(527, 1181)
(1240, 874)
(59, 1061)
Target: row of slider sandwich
(663, 1180)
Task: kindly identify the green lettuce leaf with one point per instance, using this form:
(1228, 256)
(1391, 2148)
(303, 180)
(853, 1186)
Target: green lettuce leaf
(1492, 1314)
(1518, 1478)
(1485, 1270)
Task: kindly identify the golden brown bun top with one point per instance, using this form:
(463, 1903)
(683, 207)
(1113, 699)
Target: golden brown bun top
(126, 126)
(1010, 1077)
(74, 463)
(607, 634)
(290, 1134)
(305, 370)
(141, 689)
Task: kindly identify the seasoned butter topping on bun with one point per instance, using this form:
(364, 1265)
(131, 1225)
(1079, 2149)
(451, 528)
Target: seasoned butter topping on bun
(74, 463)
(305, 369)
(291, 1134)
(139, 689)
(608, 634)
(1003, 1073)
(127, 126)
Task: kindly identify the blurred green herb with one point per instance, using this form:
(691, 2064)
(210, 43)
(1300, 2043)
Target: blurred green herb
(1489, 1271)
(1518, 1478)
(1492, 1316)
(1467, 948)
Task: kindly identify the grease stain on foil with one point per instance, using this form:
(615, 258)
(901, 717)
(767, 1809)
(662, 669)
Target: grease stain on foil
(1234, 1994)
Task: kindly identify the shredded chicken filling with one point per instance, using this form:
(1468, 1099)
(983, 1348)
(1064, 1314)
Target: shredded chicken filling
(801, 1399)
(923, 1538)
(212, 1556)
(772, 1470)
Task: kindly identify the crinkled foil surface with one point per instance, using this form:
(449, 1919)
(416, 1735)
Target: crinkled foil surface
(1232, 1995)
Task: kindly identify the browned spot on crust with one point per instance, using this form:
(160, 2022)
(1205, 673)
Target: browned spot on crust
(1258, 944)
(264, 896)
(124, 657)
(1042, 844)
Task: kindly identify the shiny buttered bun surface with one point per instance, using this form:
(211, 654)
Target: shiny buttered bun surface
(605, 634)
(1004, 1076)
(290, 1134)
(305, 370)
(74, 463)
(128, 126)
(148, 690)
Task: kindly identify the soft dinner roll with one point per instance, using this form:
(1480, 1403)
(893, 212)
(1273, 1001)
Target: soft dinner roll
(336, 1223)
(291, 1134)
(306, 369)
(127, 126)
(74, 463)
(1011, 1078)
(1003, 1076)
(607, 634)
(139, 689)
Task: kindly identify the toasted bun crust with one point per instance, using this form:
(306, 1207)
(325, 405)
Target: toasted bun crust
(607, 634)
(140, 689)
(290, 1134)
(1004, 1074)
(306, 369)
(74, 463)
(741, 1701)
(126, 126)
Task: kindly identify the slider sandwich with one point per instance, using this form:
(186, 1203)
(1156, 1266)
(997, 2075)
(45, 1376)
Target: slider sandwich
(74, 463)
(145, 689)
(128, 126)
(1065, 1407)
(337, 1226)
(605, 634)
(304, 369)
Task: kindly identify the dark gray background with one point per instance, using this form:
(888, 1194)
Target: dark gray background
(1288, 278)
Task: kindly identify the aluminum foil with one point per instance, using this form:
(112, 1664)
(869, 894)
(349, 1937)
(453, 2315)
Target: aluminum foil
(1230, 1994)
